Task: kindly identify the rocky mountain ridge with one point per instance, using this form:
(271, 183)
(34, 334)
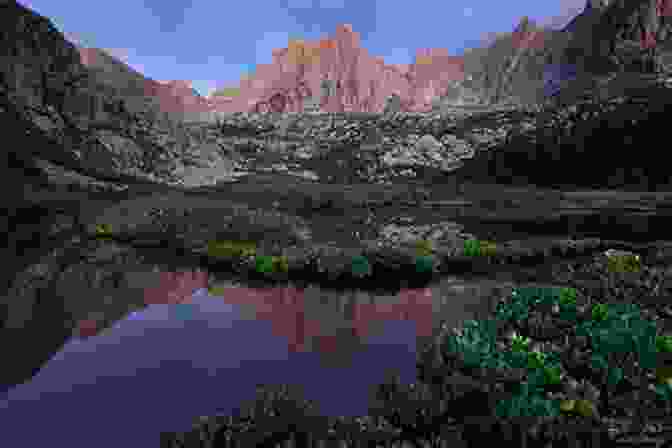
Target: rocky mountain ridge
(335, 74)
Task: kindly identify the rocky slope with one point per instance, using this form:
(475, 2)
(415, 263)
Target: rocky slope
(174, 99)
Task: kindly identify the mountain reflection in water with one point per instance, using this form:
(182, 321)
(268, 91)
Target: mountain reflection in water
(162, 367)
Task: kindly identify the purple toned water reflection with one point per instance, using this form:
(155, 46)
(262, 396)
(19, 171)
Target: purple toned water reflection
(162, 367)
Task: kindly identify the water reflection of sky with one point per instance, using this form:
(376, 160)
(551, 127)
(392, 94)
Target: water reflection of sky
(163, 366)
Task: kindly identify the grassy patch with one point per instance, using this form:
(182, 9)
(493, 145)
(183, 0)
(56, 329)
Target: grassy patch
(217, 290)
(226, 248)
(618, 261)
(271, 263)
(103, 231)
(477, 248)
(360, 266)
(424, 264)
(423, 248)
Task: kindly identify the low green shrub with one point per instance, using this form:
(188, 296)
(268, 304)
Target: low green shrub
(424, 264)
(619, 339)
(225, 248)
(360, 266)
(479, 248)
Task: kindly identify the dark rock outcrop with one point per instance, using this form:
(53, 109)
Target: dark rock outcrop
(100, 123)
(174, 100)
(606, 37)
(592, 140)
(511, 68)
(620, 36)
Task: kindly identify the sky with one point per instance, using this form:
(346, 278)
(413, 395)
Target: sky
(213, 43)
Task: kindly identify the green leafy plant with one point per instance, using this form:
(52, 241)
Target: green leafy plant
(663, 387)
(264, 263)
(360, 266)
(664, 392)
(617, 333)
(477, 347)
(526, 404)
(280, 263)
(620, 341)
(226, 248)
(624, 263)
(474, 343)
(423, 248)
(472, 248)
(479, 248)
(516, 309)
(553, 375)
(217, 290)
(424, 264)
(582, 407)
(567, 296)
(664, 343)
(271, 263)
(600, 312)
(523, 299)
(103, 231)
(519, 343)
(488, 248)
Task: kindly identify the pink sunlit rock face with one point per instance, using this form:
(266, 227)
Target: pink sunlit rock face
(362, 82)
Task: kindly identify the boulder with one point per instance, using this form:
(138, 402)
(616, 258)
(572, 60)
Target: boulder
(586, 140)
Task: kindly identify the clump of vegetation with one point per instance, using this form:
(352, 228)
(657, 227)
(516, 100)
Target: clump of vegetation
(225, 248)
(103, 231)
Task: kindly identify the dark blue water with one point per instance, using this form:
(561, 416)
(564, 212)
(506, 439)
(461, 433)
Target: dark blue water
(162, 368)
